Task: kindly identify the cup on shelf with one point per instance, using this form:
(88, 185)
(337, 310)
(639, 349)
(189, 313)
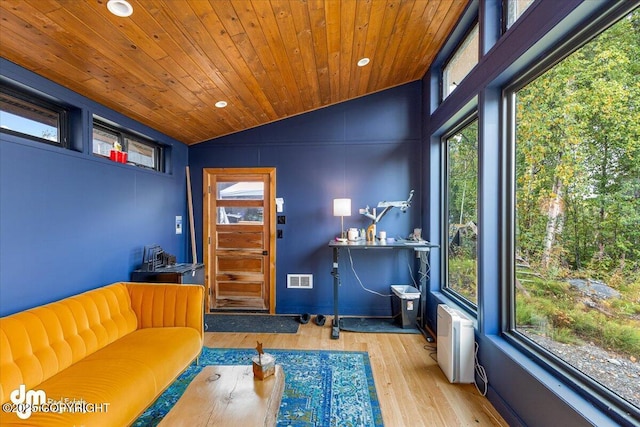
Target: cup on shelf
(118, 156)
(352, 234)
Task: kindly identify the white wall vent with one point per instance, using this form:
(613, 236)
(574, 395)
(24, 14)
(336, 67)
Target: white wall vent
(300, 281)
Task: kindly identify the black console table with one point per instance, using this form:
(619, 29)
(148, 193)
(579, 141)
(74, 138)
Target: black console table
(422, 246)
(177, 273)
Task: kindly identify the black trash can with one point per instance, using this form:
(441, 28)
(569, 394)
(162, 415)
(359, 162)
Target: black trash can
(406, 301)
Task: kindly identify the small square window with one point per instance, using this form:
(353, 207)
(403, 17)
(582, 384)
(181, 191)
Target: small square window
(141, 153)
(103, 141)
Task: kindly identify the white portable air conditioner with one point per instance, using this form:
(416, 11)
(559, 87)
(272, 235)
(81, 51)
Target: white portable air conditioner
(455, 345)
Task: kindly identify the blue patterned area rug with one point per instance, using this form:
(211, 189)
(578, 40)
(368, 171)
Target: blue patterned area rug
(322, 388)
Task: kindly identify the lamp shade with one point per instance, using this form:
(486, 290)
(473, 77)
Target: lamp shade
(341, 207)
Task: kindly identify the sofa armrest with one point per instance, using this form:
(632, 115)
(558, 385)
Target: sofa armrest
(160, 305)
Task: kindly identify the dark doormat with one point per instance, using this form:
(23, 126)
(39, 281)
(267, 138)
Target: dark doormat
(375, 325)
(255, 323)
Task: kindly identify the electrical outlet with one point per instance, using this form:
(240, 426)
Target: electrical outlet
(178, 224)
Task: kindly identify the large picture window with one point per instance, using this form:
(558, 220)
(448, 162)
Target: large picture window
(462, 211)
(577, 211)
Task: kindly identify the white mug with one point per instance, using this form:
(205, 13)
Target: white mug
(352, 234)
(382, 235)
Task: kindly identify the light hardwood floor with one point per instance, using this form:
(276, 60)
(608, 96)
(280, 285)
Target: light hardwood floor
(411, 388)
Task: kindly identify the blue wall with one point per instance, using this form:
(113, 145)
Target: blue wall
(367, 150)
(70, 221)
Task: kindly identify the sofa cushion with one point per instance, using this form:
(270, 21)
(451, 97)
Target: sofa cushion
(127, 375)
(168, 305)
(38, 343)
(165, 351)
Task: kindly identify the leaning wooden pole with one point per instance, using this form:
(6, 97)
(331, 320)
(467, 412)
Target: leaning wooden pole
(194, 252)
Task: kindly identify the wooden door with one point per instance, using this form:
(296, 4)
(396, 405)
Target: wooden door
(239, 238)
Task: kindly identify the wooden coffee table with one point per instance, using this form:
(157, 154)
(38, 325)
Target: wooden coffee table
(228, 396)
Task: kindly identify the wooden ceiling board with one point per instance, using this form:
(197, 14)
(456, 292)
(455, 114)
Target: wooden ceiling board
(440, 25)
(171, 61)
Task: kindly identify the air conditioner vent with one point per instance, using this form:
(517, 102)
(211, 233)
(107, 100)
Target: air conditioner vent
(300, 281)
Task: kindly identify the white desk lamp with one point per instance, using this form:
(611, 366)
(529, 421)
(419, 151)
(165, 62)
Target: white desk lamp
(342, 208)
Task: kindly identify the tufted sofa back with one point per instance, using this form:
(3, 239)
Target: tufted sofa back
(35, 344)
(168, 305)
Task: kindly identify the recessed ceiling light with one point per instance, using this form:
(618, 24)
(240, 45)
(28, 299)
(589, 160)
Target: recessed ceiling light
(120, 8)
(221, 104)
(363, 62)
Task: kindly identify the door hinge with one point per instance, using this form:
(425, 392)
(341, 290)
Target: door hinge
(209, 240)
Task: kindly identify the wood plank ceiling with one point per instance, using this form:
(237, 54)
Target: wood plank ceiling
(169, 62)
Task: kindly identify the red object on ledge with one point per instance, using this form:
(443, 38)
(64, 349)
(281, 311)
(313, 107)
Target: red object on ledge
(118, 156)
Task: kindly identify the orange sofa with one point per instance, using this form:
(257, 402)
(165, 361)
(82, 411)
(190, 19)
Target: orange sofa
(99, 358)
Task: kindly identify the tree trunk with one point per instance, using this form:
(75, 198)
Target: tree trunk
(554, 222)
(602, 191)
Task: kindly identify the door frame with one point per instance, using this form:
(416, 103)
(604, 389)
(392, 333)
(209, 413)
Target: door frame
(206, 220)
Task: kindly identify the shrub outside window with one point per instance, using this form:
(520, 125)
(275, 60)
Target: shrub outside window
(29, 116)
(577, 210)
(461, 63)
(462, 211)
(140, 152)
